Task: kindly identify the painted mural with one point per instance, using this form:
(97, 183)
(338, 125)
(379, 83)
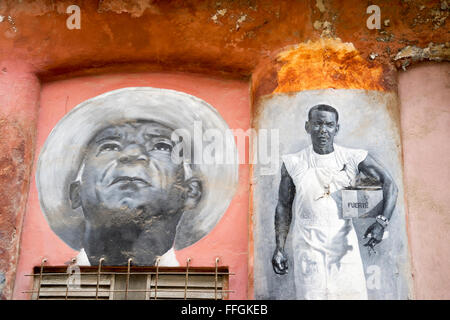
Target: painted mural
(329, 219)
(123, 176)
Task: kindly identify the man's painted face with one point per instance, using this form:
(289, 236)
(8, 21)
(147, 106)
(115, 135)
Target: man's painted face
(322, 126)
(129, 166)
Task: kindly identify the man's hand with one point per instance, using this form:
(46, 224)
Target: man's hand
(280, 262)
(375, 233)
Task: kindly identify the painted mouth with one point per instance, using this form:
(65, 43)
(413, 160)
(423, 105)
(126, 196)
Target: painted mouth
(124, 180)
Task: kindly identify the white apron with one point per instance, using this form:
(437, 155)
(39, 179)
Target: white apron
(327, 263)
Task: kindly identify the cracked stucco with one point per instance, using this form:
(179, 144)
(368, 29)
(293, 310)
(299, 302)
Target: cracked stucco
(436, 15)
(135, 8)
(219, 13)
(326, 22)
(433, 52)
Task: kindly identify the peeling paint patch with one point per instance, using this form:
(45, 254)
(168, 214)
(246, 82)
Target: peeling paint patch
(433, 52)
(12, 30)
(135, 8)
(36, 8)
(327, 30)
(327, 63)
(320, 6)
(241, 19)
(436, 15)
(317, 25)
(325, 19)
(221, 13)
(12, 23)
(440, 14)
(385, 36)
(326, 27)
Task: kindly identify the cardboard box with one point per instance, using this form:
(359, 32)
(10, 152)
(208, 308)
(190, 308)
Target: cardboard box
(361, 202)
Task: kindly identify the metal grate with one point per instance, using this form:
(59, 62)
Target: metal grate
(129, 282)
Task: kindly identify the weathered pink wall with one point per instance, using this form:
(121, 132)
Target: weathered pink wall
(228, 240)
(425, 117)
(19, 96)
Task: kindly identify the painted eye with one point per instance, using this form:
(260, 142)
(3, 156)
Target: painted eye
(163, 146)
(109, 147)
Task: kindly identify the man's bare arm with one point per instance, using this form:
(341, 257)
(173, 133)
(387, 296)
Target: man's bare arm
(371, 167)
(283, 212)
(283, 217)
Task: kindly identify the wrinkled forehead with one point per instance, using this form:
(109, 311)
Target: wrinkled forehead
(133, 131)
(323, 115)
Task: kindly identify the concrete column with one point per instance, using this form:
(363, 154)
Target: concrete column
(19, 101)
(425, 118)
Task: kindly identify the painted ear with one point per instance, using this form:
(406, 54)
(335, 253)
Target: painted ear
(194, 191)
(74, 194)
(307, 126)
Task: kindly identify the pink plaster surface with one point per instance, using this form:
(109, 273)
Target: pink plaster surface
(424, 93)
(19, 95)
(228, 240)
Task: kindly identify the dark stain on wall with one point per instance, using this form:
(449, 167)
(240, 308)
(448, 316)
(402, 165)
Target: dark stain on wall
(13, 182)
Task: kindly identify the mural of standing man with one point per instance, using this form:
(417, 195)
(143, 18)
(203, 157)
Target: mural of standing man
(326, 258)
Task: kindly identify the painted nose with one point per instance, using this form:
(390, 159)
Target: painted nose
(322, 128)
(133, 153)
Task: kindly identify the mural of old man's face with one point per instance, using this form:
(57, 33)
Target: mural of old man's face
(132, 192)
(125, 193)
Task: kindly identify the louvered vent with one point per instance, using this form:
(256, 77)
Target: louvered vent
(64, 286)
(135, 283)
